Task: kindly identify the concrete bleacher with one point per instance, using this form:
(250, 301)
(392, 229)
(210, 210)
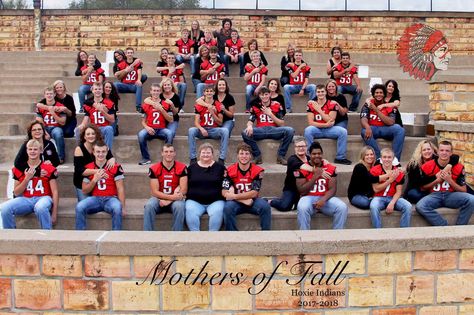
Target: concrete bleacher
(26, 74)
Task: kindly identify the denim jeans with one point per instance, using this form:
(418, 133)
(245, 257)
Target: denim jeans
(182, 87)
(68, 128)
(200, 89)
(173, 126)
(191, 62)
(93, 204)
(333, 207)
(455, 200)
(284, 81)
(20, 206)
(106, 131)
(415, 194)
(334, 132)
(352, 90)
(57, 134)
(229, 125)
(83, 91)
(259, 207)
(241, 63)
(144, 137)
(286, 201)
(152, 208)
(195, 83)
(80, 195)
(249, 90)
(380, 203)
(342, 123)
(213, 133)
(295, 89)
(194, 211)
(269, 132)
(132, 88)
(393, 132)
(361, 202)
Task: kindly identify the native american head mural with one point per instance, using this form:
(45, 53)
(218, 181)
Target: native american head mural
(422, 51)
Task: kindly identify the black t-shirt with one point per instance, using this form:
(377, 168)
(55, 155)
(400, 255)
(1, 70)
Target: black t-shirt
(341, 100)
(247, 58)
(49, 154)
(81, 161)
(78, 72)
(68, 102)
(176, 102)
(361, 182)
(205, 183)
(280, 99)
(228, 101)
(294, 164)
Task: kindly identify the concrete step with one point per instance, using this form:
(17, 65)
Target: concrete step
(133, 220)
(35, 73)
(9, 129)
(126, 149)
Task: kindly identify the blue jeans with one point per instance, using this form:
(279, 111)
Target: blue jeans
(182, 87)
(284, 81)
(195, 83)
(415, 194)
(107, 133)
(194, 211)
(229, 125)
(144, 137)
(333, 207)
(361, 202)
(132, 88)
(249, 90)
(200, 89)
(380, 203)
(295, 89)
(173, 126)
(83, 91)
(333, 132)
(213, 133)
(286, 201)
(259, 207)
(57, 134)
(152, 208)
(68, 128)
(393, 132)
(241, 63)
(343, 123)
(270, 132)
(456, 200)
(20, 206)
(80, 195)
(352, 90)
(191, 62)
(93, 204)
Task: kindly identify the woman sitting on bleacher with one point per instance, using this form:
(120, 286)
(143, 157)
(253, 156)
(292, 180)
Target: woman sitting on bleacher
(82, 61)
(275, 93)
(333, 95)
(90, 75)
(83, 156)
(36, 130)
(253, 45)
(290, 57)
(110, 93)
(169, 93)
(392, 99)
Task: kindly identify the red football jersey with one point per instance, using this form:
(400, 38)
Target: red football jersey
(48, 119)
(256, 78)
(299, 79)
(209, 44)
(168, 179)
(263, 119)
(212, 78)
(132, 76)
(154, 118)
(328, 107)
(391, 189)
(184, 47)
(242, 182)
(321, 186)
(374, 119)
(431, 168)
(96, 117)
(346, 78)
(93, 76)
(174, 76)
(234, 48)
(38, 186)
(105, 187)
(205, 117)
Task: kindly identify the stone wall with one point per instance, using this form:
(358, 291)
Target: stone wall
(346, 272)
(452, 105)
(150, 30)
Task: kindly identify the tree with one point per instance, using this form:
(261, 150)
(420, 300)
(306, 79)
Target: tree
(16, 4)
(134, 4)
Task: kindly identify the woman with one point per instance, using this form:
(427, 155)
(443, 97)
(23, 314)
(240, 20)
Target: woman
(196, 34)
(333, 61)
(360, 190)
(163, 62)
(275, 93)
(169, 93)
(110, 92)
(392, 99)
(36, 131)
(83, 156)
(205, 186)
(332, 94)
(82, 61)
(89, 76)
(203, 55)
(290, 57)
(222, 36)
(253, 45)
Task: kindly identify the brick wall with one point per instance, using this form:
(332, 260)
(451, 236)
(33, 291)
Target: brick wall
(150, 30)
(452, 106)
(426, 282)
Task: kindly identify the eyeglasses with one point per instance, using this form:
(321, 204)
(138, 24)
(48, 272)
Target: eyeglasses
(37, 129)
(300, 146)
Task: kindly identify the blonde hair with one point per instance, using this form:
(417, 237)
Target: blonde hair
(173, 86)
(57, 82)
(205, 145)
(34, 143)
(416, 158)
(363, 152)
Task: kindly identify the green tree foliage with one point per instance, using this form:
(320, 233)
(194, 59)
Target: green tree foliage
(16, 4)
(134, 4)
